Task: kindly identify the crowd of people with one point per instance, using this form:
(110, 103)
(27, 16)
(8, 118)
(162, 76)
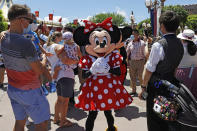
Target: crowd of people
(38, 63)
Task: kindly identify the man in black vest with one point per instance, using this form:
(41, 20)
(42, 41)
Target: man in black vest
(164, 58)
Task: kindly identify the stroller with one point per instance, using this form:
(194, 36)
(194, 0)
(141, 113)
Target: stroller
(175, 103)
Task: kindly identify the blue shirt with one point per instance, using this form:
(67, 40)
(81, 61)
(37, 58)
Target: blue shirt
(34, 37)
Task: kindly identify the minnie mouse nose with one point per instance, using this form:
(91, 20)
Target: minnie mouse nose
(102, 45)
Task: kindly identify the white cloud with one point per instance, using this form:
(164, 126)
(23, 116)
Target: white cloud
(121, 12)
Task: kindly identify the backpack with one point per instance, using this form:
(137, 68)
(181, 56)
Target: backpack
(179, 95)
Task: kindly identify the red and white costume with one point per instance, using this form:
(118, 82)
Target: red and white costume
(102, 92)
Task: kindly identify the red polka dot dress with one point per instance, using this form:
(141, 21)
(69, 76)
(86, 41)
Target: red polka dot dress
(102, 92)
(123, 73)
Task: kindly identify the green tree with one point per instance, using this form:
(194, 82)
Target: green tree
(71, 24)
(182, 13)
(3, 24)
(192, 22)
(117, 19)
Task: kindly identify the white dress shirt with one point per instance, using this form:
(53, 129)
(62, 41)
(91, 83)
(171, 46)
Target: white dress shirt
(188, 60)
(157, 54)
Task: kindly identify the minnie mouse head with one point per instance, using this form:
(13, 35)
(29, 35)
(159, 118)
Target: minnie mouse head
(99, 39)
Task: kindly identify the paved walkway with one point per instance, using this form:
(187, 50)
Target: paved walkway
(132, 118)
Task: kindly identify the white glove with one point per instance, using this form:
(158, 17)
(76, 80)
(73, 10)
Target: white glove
(93, 70)
(104, 66)
(100, 66)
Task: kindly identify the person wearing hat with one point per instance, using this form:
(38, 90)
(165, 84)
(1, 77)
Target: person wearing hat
(73, 52)
(187, 70)
(165, 56)
(23, 70)
(195, 36)
(65, 78)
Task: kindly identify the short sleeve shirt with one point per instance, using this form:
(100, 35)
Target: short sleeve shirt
(34, 37)
(157, 54)
(18, 53)
(66, 71)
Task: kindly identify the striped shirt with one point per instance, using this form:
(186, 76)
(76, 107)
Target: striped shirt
(136, 50)
(18, 53)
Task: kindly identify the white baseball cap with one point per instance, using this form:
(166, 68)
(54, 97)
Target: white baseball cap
(67, 36)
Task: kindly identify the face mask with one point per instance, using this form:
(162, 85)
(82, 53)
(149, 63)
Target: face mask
(132, 37)
(61, 42)
(26, 30)
(34, 27)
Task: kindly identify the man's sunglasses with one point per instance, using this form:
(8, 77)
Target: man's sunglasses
(30, 20)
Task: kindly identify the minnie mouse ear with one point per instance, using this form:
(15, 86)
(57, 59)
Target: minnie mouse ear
(115, 34)
(79, 37)
(126, 32)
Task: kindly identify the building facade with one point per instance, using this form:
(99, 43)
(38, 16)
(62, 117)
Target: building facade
(192, 9)
(4, 6)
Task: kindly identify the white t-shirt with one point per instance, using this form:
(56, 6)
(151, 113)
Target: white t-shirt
(66, 71)
(188, 60)
(52, 59)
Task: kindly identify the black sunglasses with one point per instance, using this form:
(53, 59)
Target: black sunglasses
(30, 20)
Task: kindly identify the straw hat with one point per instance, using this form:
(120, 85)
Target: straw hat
(187, 34)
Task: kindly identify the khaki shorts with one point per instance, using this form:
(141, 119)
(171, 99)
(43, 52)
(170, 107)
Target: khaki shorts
(136, 68)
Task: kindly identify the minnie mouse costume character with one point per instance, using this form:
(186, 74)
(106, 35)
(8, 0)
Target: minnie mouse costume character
(102, 90)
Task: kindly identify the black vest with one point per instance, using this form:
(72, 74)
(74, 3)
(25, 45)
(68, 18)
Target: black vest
(173, 50)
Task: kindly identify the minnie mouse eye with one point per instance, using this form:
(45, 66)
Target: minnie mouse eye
(96, 40)
(105, 40)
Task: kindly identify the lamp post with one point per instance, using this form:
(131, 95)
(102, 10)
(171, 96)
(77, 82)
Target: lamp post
(148, 4)
(132, 20)
(154, 8)
(162, 3)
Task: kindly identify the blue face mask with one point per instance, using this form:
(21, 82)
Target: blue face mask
(132, 37)
(27, 30)
(61, 42)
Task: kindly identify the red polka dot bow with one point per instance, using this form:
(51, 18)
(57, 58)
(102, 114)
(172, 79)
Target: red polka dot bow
(106, 24)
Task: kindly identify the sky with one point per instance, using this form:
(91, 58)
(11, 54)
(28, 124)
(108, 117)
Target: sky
(84, 9)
